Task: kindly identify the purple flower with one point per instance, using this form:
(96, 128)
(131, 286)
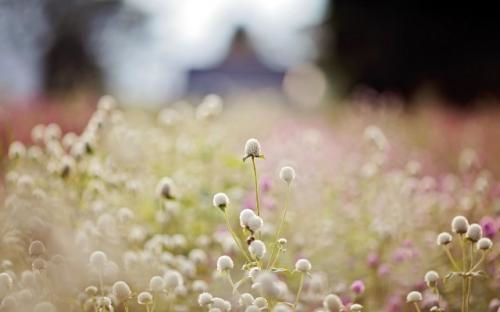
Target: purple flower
(394, 304)
(489, 226)
(358, 287)
(265, 184)
(373, 260)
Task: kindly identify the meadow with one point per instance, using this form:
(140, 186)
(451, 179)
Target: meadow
(213, 207)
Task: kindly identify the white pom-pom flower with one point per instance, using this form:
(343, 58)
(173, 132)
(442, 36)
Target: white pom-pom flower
(224, 264)
(444, 239)
(220, 201)
(121, 291)
(98, 260)
(252, 149)
(157, 284)
(303, 265)
(431, 278)
(287, 174)
(257, 249)
(145, 298)
(204, 299)
(332, 303)
(474, 233)
(459, 225)
(414, 296)
(484, 244)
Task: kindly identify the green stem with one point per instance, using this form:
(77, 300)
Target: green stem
(464, 269)
(101, 284)
(255, 178)
(416, 306)
(235, 238)
(450, 256)
(483, 256)
(301, 284)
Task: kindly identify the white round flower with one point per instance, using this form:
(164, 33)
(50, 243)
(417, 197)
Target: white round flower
(245, 216)
(459, 225)
(414, 296)
(444, 239)
(221, 201)
(224, 263)
(36, 249)
(287, 174)
(303, 265)
(246, 299)
(165, 188)
(261, 302)
(253, 273)
(484, 243)
(16, 150)
(252, 148)
(98, 260)
(280, 307)
(474, 233)
(252, 308)
(258, 249)
(156, 284)
(121, 291)
(431, 278)
(173, 279)
(145, 298)
(356, 307)
(204, 299)
(332, 303)
(255, 223)
(221, 304)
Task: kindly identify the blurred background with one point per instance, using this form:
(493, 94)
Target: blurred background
(150, 52)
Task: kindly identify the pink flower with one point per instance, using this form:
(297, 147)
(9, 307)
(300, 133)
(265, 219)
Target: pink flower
(489, 226)
(358, 287)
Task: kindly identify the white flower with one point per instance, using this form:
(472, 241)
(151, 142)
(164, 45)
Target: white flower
(157, 284)
(249, 220)
(204, 299)
(173, 279)
(165, 188)
(224, 263)
(221, 304)
(287, 174)
(17, 150)
(459, 225)
(246, 299)
(356, 307)
(245, 216)
(258, 249)
(303, 265)
(220, 201)
(252, 149)
(98, 260)
(252, 308)
(431, 278)
(36, 249)
(332, 303)
(484, 243)
(261, 302)
(121, 291)
(444, 239)
(474, 233)
(144, 298)
(253, 273)
(414, 296)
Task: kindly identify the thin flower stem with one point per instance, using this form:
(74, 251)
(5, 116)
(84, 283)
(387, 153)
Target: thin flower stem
(417, 308)
(469, 279)
(450, 256)
(126, 306)
(483, 256)
(256, 186)
(301, 284)
(464, 269)
(276, 249)
(101, 284)
(235, 238)
(276, 258)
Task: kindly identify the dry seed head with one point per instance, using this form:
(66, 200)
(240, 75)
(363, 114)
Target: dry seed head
(459, 225)
(444, 239)
(145, 298)
(332, 303)
(484, 244)
(414, 296)
(474, 233)
(220, 201)
(224, 263)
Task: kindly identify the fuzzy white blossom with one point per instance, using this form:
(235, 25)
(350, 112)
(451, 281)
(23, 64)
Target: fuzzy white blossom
(121, 291)
(287, 174)
(332, 303)
(444, 239)
(257, 249)
(303, 265)
(220, 201)
(224, 263)
(484, 244)
(252, 148)
(414, 296)
(459, 225)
